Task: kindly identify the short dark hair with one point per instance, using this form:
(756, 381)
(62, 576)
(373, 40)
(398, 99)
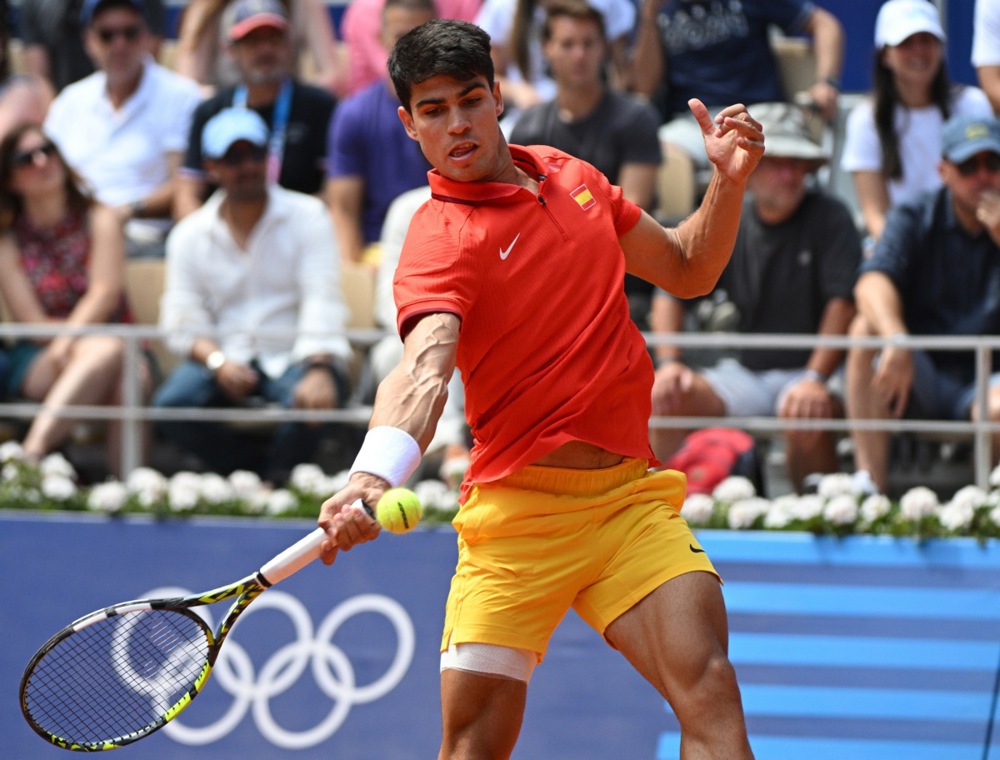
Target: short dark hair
(443, 47)
(578, 10)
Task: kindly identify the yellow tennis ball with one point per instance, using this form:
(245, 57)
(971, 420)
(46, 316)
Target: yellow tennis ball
(399, 510)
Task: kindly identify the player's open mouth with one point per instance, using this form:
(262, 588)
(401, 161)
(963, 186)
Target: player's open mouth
(464, 150)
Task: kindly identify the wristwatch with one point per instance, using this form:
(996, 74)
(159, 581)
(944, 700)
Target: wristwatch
(215, 360)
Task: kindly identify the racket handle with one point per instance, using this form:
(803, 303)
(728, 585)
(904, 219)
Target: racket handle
(294, 558)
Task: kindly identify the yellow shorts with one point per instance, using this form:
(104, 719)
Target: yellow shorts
(545, 539)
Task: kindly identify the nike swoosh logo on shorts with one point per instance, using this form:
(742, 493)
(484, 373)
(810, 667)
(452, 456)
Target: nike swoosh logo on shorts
(696, 551)
(504, 253)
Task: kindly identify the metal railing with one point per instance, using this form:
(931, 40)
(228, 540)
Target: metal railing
(134, 411)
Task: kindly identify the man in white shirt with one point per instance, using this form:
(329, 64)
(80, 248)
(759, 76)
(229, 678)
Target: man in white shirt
(253, 301)
(124, 128)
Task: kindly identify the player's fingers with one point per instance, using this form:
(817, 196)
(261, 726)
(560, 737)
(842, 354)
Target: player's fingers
(701, 114)
(328, 552)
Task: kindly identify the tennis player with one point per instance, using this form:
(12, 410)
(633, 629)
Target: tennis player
(513, 272)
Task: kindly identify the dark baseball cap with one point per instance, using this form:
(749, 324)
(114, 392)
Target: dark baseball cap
(92, 7)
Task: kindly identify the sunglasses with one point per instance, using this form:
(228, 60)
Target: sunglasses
(27, 157)
(238, 157)
(989, 161)
(107, 35)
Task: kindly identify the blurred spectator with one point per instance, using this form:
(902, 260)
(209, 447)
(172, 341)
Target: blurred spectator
(62, 261)
(613, 131)
(792, 270)
(449, 449)
(204, 33)
(53, 36)
(720, 52)
(124, 127)
(986, 49)
(935, 271)
(24, 99)
(297, 114)
(255, 258)
(362, 33)
(515, 29)
(371, 159)
(891, 135)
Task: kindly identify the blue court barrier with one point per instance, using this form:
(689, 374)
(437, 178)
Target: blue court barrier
(857, 648)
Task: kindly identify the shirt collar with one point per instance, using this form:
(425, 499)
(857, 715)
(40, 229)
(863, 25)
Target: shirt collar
(475, 193)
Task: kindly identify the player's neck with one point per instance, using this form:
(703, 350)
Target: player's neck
(576, 103)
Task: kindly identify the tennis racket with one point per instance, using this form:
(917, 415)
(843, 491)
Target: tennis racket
(118, 674)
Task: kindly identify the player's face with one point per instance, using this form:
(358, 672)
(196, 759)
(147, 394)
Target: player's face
(575, 51)
(456, 124)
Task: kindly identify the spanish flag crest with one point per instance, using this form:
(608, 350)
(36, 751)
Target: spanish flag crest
(584, 197)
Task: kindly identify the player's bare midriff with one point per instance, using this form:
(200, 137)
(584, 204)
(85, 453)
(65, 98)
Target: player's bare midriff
(578, 455)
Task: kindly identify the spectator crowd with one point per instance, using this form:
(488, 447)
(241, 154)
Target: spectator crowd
(255, 149)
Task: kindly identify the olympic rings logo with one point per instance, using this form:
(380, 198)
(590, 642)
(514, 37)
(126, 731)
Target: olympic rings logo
(330, 667)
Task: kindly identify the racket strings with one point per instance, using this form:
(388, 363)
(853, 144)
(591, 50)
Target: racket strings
(118, 676)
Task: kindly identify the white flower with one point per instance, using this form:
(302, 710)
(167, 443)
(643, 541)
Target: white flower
(957, 515)
(995, 516)
(918, 503)
(245, 484)
(842, 509)
(744, 512)
(837, 484)
(108, 497)
(435, 495)
(215, 489)
(994, 479)
(875, 507)
(698, 509)
(9, 472)
(148, 485)
(808, 507)
(781, 512)
(56, 464)
(308, 478)
(58, 487)
(280, 500)
(11, 451)
(972, 497)
(734, 488)
(183, 491)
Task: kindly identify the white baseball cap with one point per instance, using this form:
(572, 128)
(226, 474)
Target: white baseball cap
(899, 19)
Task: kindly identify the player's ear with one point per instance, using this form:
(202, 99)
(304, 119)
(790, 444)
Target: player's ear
(407, 118)
(498, 98)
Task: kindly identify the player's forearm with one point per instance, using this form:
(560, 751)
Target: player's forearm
(706, 237)
(413, 395)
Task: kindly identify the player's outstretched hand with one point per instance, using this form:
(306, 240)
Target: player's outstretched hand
(346, 522)
(734, 140)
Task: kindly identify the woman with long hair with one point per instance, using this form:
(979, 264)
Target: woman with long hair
(62, 261)
(893, 138)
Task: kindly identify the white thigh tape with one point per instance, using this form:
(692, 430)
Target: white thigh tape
(389, 453)
(490, 659)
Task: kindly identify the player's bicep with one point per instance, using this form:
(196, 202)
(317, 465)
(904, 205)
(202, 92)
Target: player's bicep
(652, 252)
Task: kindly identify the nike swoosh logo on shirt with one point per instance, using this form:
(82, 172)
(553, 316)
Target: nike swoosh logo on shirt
(505, 252)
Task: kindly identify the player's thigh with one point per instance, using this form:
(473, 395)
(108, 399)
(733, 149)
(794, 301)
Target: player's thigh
(675, 632)
(481, 714)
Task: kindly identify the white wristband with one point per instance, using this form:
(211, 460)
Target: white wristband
(388, 453)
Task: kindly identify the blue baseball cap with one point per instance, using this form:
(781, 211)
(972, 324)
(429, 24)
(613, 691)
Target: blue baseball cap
(965, 136)
(91, 7)
(229, 126)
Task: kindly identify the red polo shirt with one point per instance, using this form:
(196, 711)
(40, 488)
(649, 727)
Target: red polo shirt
(548, 352)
